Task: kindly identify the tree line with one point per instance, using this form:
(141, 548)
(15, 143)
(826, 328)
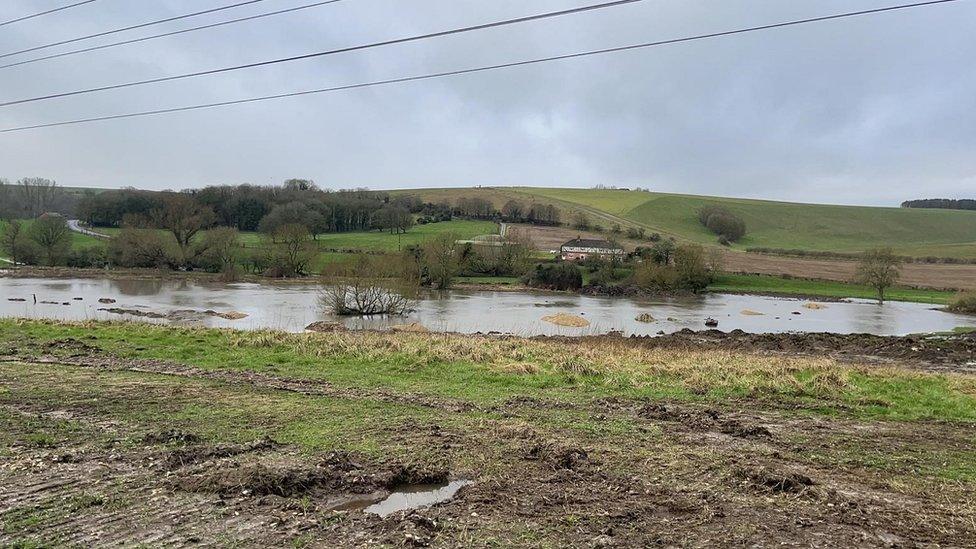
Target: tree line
(31, 197)
(941, 203)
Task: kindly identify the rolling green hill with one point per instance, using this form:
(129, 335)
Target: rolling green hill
(915, 232)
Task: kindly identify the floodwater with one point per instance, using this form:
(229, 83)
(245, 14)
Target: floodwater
(292, 306)
(416, 496)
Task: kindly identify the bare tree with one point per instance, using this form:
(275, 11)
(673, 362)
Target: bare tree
(52, 235)
(184, 218)
(373, 286)
(513, 210)
(220, 249)
(146, 248)
(34, 196)
(6, 200)
(294, 251)
(880, 269)
(441, 260)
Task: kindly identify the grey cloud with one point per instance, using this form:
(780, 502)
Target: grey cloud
(874, 110)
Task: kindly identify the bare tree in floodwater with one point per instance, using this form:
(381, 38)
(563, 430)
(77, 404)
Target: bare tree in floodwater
(879, 269)
(374, 285)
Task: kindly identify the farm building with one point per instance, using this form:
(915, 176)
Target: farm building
(581, 248)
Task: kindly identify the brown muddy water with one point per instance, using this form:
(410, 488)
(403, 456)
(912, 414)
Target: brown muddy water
(293, 306)
(416, 496)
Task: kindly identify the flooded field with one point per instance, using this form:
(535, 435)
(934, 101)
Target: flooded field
(293, 306)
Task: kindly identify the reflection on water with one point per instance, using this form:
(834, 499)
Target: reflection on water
(293, 306)
(416, 497)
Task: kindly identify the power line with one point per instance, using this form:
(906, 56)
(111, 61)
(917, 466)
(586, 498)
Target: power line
(173, 33)
(484, 68)
(33, 15)
(130, 27)
(328, 52)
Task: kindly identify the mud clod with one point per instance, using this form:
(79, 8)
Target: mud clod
(557, 456)
(325, 327)
(260, 480)
(776, 480)
(171, 436)
(190, 455)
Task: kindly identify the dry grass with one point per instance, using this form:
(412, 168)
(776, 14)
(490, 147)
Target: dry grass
(617, 362)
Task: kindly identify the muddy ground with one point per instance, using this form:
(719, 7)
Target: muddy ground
(931, 352)
(90, 454)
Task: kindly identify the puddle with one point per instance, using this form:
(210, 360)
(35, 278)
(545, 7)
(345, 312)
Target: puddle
(416, 496)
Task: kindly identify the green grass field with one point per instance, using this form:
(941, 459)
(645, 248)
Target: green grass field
(376, 240)
(789, 225)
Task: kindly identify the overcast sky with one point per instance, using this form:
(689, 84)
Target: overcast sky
(872, 110)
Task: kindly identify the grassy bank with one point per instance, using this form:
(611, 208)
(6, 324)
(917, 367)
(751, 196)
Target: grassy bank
(236, 438)
(763, 284)
(487, 370)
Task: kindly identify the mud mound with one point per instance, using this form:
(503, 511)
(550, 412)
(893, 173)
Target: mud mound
(750, 312)
(557, 456)
(775, 479)
(180, 315)
(814, 306)
(952, 349)
(566, 319)
(255, 480)
(703, 420)
(325, 327)
(69, 346)
(170, 436)
(337, 472)
(408, 475)
(644, 317)
(184, 457)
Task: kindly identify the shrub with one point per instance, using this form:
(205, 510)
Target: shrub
(146, 248)
(964, 302)
(555, 276)
(692, 267)
(293, 252)
(440, 261)
(655, 277)
(52, 236)
(93, 257)
(661, 252)
(15, 243)
(219, 250)
(722, 222)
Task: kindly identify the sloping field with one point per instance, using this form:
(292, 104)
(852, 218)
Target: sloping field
(770, 224)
